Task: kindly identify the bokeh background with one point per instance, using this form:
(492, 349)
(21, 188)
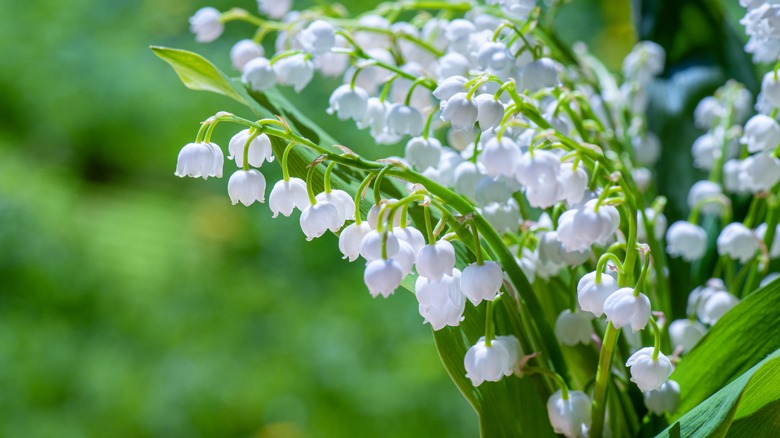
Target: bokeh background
(134, 303)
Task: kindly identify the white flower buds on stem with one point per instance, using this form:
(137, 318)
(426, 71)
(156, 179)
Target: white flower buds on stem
(762, 134)
(664, 399)
(572, 328)
(481, 282)
(623, 308)
(492, 362)
(295, 70)
(206, 25)
(318, 38)
(686, 240)
(441, 301)
(246, 186)
(685, 333)
(259, 149)
(436, 260)
(580, 228)
(738, 242)
(371, 246)
(318, 218)
(244, 51)
(259, 74)
(569, 417)
(592, 295)
(351, 239)
(348, 103)
(461, 111)
(382, 277)
(647, 372)
(288, 195)
(200, 160)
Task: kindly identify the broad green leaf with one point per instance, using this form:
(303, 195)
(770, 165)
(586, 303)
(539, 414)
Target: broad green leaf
(196, 72)
(744, 336)
(764, 422)
(713, 417)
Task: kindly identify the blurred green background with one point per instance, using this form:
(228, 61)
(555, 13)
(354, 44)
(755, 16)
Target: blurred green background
(135, 303)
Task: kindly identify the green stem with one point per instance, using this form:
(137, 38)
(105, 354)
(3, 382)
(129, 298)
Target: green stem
(201, 131)
(428, 225)
(328, 171)
(285, 157)
(602, 264)
(309, 185)
(477, 245)
(642, 275)
(602, 381)
(378, 184)
(252, 135)
(489, 324)
(657, 338)
(359, 195)
(552, 374)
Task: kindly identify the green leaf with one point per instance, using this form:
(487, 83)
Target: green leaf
(714, 416)
(740, 339)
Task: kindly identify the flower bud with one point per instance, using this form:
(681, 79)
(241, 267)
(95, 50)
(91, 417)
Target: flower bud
(503, 217)
(647, 149)
(592, 295)
(288, 195)
(348, 103)
(412, 236)
(665, 399)
(449, 87)
(318, 38)
(573, 183)
(294, 70)
(706, 151)
(382, 277)
(206, 25)
(351, 239)
(481, 282)
(715, 305)
(403, 120)
(686, 240)
(645, 61)
(460, 111)
(542, 73)
(491, 363)
(500, 157)
(705, 192)
(762, 134)
(371, 246)
(685, 333)
(623, 308)
(770, 88)
(495, 58)
(759, 173)
(436, 260)
(343, 202)
(246, 186)
(423, 153)
(405, 257)
(571, 416)
(738, 242)
(441, 302)
(490, 112)
(467, 175)
(572, 328)
(649, 373)
(318, 218)
(259, 74)
(260, 149)
(452, 64)
(274, 8)
(580, 228)
(244, 51)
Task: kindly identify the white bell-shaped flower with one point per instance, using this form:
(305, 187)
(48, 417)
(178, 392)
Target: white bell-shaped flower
(706, 150)
(647, 149)
(645, 61)
(436, 260)
(246, 186)
(294, 70)
(244, 51)
(542, 73)
(686, 240)
(649, 373)
(461, 111)
(423, 153)
(642, 177)
(405, 257)
(491, 190)
(412, 236)
(318, 218)
(382, 277)
(495, 58)
(573, 182)
(500, 156)
(351, 239)
(664, 399)
(441, 302)
(458, 32)
(288, 195)
(449, 87)
(685, 333)
(738, 242)
(591, 295)
(770, 88)
(481, 282)
(318, 38)
(371, 246)
(699, 296)
(623, 308)
(715, 305)
(342, 201)
(569, 417)
(259, 74)
(274, 8)
(490, 111)
(759, 173)
(774, 250)
(579, 228)
(572, 328)
(761, 134)
(707, 112)
(517, 9)
(404, 120)
(704, 192)
(373, 215)
(206, 25)
(491, 363)
(503, 217)
(467, 175)
(348, 103)
(199, 160)
(260, 149)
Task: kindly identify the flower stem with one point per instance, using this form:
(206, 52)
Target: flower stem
(657, 337)
(602, 381)
(309, 186)
(326, 180)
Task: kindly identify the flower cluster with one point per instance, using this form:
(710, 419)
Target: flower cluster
(524, 175)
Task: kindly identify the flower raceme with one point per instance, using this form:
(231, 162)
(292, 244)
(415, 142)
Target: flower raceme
(507, 171)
